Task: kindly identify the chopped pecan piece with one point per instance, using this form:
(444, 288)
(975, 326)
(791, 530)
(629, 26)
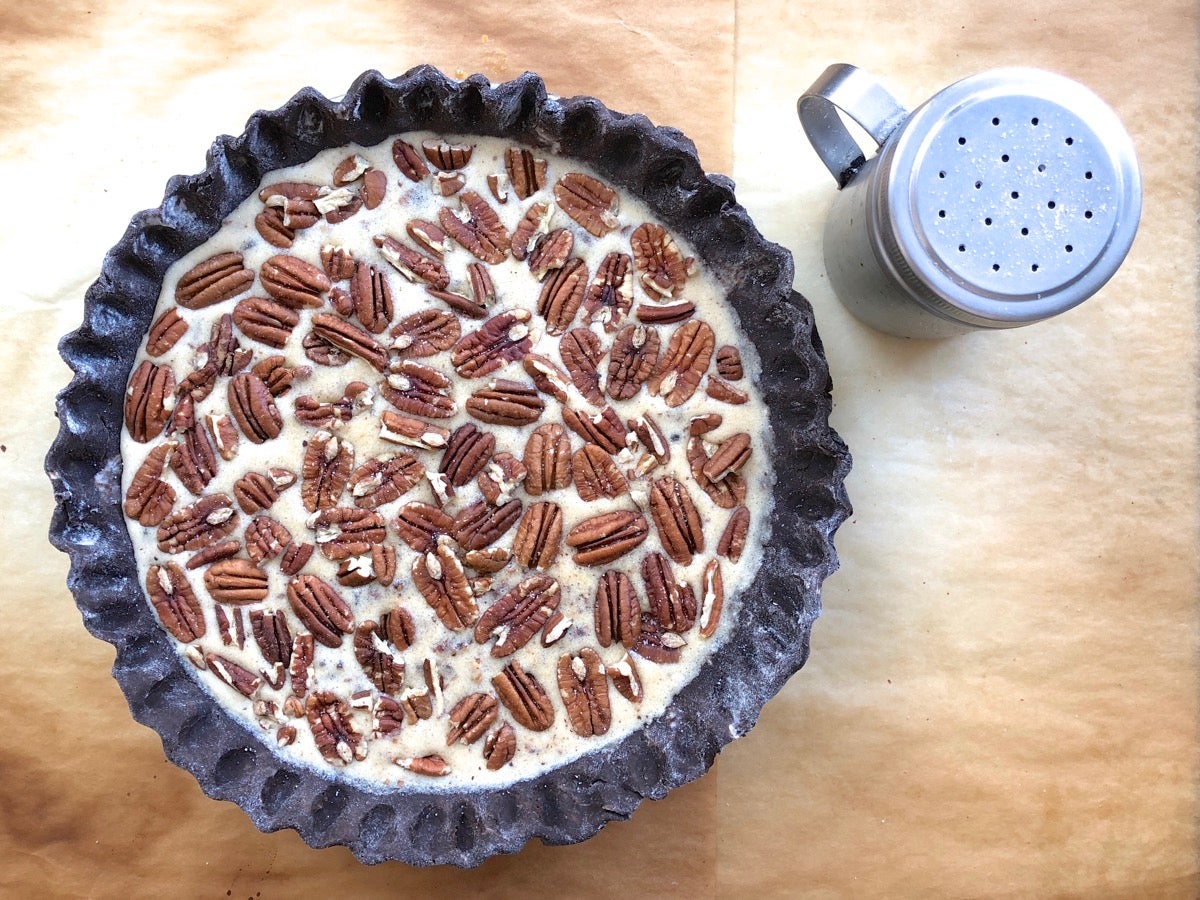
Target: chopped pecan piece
(195, 526)
(346, 531)
(547, 377)
(381, 667)
(199, 383)
(657, 644)
(662, 269)
(672, 603)
(428, 236)
(412, 432)
(651, 437)
(408, 160)
(726, 493)
(610, 295)
(216, 279)
(733, 538)
(165, 332)
(240, 679)
(581, 354)
(547, 459)
(676, 518)
(276, 374)
(467, 453)
(227, 354)
(350, 169)
(497, 183)
(419, 524)
(583, 686)
(294, 282)
(440, 578)
(425, 333)
(266, 539)
(303, 651)
(290, 190)
(480, 525)
(562, 293)
(556, 626)
(533, 225)
(604, 429)
(149, 401)
(502, 339)
(729, 363)
(328, 462)
(175, 602)
(224, 435)
(236, 581)
(149, 498)
(506, 402)
(372, 296)
(449, 183)
(471, 717)
(526, 173)
(601, 539)
(552, 252)
(381, 480)
(252, 405)
(338, 262)
(704, 424)
(213, 552)
(322, 352)
(634, 357)
(538, 536)
(332, 728)
(445, 155)
(500, 477)
(432, 765)
(295, 558)
(349, 338)
(414, 266)
(590, 202)
(477, 227)
(321, 609)
(684, 363)
(596, 475)
(523, 696)
(618, 613)
(500, 747)
(713, 598)
(255, 491)
(732, 454)
(722, 390)
(194, 460)
(488, 561)
(418, 390)
(397, 626)
(625, 678)
(460, 303)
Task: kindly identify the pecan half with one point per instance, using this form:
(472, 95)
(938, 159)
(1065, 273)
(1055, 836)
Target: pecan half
(274, 639)
(526, 173)
(601, 539)
(266, 538)
(349, 338)
(480, 525)
(547, 377)
(381, 480)
(255, 491)
(381, 667)
(295, 558)
(290, 190)
(733, 538)
(345, 531)
(524, 697)
(729, 363)
(414, 266)
(397, 626)
(412, 432)
(418, 390)
(500, 747)
(547, 459)
(460, 303)
(442, 581)
(676, 518)
(618, 613)
(590, 202)
(732, 454)
(502, 339)
(488, 561)
(467, 453)
(372, 296)
(374, 188)
(328, 462)
(726, 493)
(596, 475)
(389, 715)
(149, 498)
(583, 686)
(192, 527)
(506, 402)
(213, 552)
(672, 603)
(149, 401)
(165, 332)
(216, 279)
(230, 673)
(534, 224)
(294, 282)
(665, 313)
(227, 354)
(408, 160)
(303, 651)
(175, 602)
(562, 293)
(252, 405)
(338, 262)
(194, 460)
(684, 363)
(236, 581)
(610, 295)
(270, 224)
(704, 424)
(581, 354)
(445, 155)
(538, 536)
(425, 333)
(634, 357)
(432, 765)
(332, 728)
(625, 678)
(419, 524)
(604, 429)
(477, 227)
(471, 717)
(321, 609)
(662, 269)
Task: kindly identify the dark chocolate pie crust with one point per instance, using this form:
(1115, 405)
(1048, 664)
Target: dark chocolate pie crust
(768, 642)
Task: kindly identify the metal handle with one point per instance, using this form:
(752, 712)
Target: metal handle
(857, 94)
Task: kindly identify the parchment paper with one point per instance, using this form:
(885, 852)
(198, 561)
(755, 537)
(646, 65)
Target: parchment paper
(1002, 695)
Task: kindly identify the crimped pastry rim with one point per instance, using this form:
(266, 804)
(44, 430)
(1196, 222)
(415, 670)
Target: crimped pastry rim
(767, 644)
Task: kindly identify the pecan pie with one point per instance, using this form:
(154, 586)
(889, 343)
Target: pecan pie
(476, 431)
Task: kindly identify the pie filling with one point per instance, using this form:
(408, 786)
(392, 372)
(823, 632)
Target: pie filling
(444, 462)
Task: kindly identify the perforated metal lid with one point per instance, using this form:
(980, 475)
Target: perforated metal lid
(1010, 196)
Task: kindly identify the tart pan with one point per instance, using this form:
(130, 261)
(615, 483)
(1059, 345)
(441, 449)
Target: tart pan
(767, 643)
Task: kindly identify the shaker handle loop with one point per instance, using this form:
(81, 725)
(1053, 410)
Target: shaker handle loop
(864, 100)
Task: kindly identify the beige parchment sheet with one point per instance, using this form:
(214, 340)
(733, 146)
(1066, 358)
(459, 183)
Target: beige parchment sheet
(1002, 694)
